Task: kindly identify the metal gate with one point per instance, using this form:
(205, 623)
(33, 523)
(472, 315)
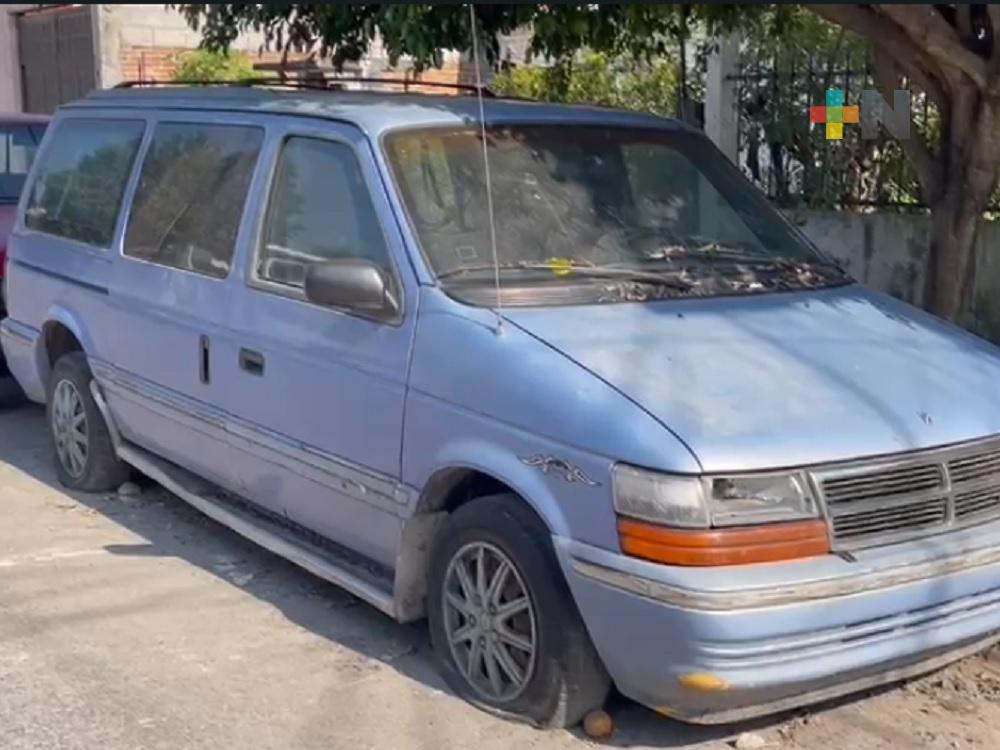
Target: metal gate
(57, 57)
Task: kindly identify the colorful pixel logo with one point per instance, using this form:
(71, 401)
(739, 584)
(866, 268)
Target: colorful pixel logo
(835, 115)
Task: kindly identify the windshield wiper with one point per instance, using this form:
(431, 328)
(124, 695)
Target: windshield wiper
(716, 252)
(561, 268)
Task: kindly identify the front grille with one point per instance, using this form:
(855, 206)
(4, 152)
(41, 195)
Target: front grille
(933, 491)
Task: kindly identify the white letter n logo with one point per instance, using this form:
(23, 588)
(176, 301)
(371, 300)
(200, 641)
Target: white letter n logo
(875, 110)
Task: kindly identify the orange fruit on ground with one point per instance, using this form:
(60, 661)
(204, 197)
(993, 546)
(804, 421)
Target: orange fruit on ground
(598, 725)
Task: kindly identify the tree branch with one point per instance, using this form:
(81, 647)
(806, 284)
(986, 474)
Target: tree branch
(885, 34)
(937, 38)
(994, 14)
(963, 22)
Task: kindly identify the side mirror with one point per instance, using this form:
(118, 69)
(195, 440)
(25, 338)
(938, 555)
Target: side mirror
(351, 284)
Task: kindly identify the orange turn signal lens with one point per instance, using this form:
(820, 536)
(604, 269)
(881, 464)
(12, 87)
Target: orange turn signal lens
(737, 546)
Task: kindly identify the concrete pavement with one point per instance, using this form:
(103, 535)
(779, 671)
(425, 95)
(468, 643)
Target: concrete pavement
(137, 623)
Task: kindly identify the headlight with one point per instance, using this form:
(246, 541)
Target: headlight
(660, 498)
(704, 502)
(760, 498)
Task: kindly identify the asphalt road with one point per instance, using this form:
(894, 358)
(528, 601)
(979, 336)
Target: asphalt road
(137, 623)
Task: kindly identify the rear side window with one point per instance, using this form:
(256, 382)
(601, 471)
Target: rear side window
(190, 197)
(320, 210)
(78, 191)
(18, 143)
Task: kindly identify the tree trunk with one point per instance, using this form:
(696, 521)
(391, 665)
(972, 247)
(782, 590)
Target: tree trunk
(953, 234)
(967, 177)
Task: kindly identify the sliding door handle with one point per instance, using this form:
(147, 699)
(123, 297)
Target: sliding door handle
(251, 361)
(204, 375)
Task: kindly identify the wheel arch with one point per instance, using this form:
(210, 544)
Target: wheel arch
(449, 487)
(61, 333)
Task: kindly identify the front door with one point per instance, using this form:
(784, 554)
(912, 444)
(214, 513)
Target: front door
(316, 394)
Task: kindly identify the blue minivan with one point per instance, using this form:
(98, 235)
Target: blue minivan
(559, 380)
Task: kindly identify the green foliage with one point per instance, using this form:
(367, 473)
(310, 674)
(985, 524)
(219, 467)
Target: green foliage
(781, 75)
(594, 79)
(422, 30)
(212, 65)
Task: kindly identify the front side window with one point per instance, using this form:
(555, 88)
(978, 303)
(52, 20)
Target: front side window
(80, 183)
(320, 210)
(624, 212)
(18, 144)
(191, 194)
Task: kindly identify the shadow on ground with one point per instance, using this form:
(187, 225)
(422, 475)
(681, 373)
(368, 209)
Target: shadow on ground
(171, 528)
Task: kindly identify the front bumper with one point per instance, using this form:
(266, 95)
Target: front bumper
(725, 644)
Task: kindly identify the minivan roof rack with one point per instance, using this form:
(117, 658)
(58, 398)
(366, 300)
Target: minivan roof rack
(315, 83)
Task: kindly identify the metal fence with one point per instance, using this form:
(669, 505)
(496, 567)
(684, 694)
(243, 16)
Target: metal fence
(792, 160)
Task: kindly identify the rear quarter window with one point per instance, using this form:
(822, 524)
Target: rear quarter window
(77, 193)
(18, 144)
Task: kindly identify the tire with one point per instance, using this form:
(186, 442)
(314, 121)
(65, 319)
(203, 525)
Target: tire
(564, 679)
(95, 467)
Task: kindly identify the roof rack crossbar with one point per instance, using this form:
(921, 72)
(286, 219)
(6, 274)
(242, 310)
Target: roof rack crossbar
(312, 82)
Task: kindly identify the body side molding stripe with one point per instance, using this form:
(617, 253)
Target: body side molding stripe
(355, 481)
(61, 277)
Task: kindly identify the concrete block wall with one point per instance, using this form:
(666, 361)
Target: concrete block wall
(143, 42)
(147, 38)
(888, 252)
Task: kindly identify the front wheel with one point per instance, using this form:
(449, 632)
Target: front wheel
(84, 454)
(505, 629)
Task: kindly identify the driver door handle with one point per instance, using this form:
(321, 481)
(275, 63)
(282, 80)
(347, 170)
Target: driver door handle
(252, 361)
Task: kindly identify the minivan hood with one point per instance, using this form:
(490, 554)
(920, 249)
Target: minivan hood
(787, 379)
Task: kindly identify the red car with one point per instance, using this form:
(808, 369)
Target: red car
(19, 139)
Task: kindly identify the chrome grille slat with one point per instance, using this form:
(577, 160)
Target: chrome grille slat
(867, 523)
(979, 501)
(899, 472)
(896, 512)
(974, 467)
(922, 493)
(894, 482)
(888, 505)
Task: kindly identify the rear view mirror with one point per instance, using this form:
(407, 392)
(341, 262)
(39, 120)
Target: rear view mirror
(351, 284)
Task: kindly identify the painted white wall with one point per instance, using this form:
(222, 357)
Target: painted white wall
(10, 69)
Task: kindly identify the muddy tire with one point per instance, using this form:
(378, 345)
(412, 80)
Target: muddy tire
(505, 629)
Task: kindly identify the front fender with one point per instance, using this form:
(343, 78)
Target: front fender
(570, 489)
(500, 464)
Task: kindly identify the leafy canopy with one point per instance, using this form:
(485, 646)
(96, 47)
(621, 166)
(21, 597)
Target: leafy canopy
(596, 79)
(422, 31)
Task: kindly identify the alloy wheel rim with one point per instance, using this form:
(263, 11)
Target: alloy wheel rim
(69, 428)
(489, 621)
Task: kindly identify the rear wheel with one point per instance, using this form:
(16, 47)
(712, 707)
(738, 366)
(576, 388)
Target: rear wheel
(84, 454)
(505, 629)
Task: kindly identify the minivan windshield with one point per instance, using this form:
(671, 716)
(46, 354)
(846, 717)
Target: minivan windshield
(18, 144)
(573, 204)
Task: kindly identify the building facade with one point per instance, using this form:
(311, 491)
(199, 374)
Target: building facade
(51, 54)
